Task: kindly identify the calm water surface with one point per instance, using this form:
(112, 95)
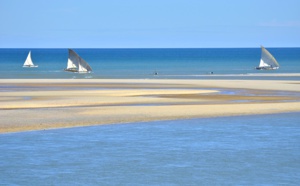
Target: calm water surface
(194, 63)
(245, 150)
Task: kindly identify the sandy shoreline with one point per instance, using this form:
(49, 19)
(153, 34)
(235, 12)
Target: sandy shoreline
(37, 104)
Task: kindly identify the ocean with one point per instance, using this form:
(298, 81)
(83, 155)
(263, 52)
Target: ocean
(224, 63)
(242, 150)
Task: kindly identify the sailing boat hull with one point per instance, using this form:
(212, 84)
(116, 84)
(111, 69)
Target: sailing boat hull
(30, 66)
(75, 70)
(266, 68)
(71, 69)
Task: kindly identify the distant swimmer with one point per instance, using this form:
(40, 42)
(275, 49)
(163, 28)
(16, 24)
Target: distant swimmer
(155, 73)
(211, 72)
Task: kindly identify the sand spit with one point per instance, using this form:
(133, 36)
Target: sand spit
(37, 104)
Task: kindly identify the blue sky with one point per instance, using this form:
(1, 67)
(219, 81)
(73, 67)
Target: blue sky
(149, 23)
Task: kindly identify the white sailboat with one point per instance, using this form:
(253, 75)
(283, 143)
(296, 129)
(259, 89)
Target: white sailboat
(267, 61)
(28, 62)
(77, 64)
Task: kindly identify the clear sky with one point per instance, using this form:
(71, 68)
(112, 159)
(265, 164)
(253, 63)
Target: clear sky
(149, 23)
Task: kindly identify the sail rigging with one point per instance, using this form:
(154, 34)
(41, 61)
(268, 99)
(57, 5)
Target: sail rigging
(28, 62)
(77, 64)
(267, 61)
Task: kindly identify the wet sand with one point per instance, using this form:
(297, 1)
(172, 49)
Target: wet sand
(40, 104)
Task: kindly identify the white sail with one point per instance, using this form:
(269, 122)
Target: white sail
(267, 61)
(84, 66)
(28, 62)
(76, 63)
(73, 60)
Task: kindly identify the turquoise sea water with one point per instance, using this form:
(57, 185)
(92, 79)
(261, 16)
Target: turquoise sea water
(244, 150)
(142, 63)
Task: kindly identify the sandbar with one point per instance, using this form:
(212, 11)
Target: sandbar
(39, 104)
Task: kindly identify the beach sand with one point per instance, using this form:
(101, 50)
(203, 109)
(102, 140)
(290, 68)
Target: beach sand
(38, 104)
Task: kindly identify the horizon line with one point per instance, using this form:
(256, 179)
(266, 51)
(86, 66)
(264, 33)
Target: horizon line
(139, 47)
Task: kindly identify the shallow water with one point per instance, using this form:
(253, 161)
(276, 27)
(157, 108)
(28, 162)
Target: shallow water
(244, 150)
